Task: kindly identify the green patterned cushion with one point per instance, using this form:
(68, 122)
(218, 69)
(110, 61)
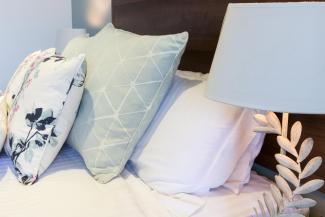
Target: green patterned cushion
(76, 46)
(128, 77)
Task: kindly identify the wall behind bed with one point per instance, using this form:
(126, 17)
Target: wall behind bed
(26, 26)
(91, 14)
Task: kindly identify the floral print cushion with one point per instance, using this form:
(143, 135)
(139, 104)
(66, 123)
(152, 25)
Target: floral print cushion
(21, 76)
(43, 90)
(3, 120)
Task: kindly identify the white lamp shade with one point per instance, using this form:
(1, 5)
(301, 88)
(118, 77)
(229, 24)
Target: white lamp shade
(271, 56)
(63, 37)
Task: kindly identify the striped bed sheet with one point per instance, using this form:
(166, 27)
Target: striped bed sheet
(66, 189)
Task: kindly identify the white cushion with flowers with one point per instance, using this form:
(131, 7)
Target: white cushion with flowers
(43, 98)
(20, 78)
(3, 120)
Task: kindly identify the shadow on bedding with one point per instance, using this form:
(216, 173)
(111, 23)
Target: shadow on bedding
(67, 159)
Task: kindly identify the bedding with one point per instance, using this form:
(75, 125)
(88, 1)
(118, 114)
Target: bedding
(223, 203)
(241, 174)
(3, 120)
(128, 77)
(67, 190)
(42, 111)
(194, 144)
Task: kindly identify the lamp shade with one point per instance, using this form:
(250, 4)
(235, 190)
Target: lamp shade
(271, 56)
(63, 37)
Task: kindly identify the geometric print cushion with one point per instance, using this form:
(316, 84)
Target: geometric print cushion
(128, 77)
(76, 46)
(34, 120)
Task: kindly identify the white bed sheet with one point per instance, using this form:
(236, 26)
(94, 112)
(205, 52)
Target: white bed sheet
(224, 203)
(67, 190)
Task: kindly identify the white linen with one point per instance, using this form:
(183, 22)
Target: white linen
(224, 203)
(194, 144)
(67, 190)
(241, 174)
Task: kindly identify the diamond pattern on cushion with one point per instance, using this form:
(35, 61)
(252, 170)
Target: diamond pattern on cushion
(128, 76)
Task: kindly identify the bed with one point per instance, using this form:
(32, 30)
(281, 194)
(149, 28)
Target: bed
(67, 190)
(203, 20)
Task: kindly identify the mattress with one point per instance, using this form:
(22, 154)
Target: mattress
(68, 190)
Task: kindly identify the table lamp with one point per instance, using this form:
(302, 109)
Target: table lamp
(65, 35)
(270, 56)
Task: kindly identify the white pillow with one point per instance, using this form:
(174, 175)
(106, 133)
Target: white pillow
(241, 174)
(3, 120)
(193, 144)
(43, 97)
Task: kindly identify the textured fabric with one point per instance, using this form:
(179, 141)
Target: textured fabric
(221, 202)
(67, 190)
(36, 130)
(193, 144)
(3, 120)
(241, 174)
(67, 117)
(76, 46)
(128, 76)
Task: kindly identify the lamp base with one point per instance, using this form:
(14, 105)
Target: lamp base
(284, 131)
(289, 183)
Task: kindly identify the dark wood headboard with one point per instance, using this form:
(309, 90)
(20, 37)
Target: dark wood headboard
(203, 20)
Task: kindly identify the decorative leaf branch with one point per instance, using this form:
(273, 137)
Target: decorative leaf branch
(290, 171)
